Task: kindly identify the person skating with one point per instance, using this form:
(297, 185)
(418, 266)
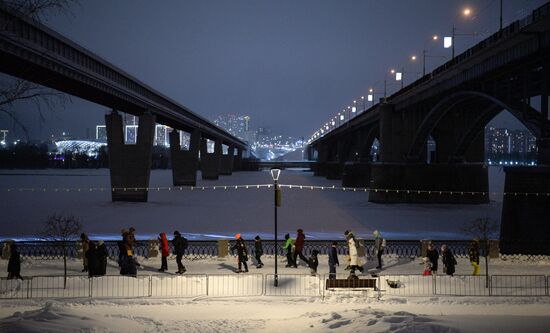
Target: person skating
(258, 251)
(85, 246)
(242, 254)
(313, 262)
(448, 259)
(433, 256)
(299, 247)
(164, 252)
(14, 263)
(180, 245)
(352, 250)
(473, 254)
(333, 261)
(102, 255)
(378, 247)
(289, 242)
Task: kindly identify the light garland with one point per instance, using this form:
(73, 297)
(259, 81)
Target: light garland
(268, 186)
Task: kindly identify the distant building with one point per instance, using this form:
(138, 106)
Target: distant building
(101, 133)
(502, 144)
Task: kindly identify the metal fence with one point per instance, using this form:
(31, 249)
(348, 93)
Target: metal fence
(206, 249)
(288, 285)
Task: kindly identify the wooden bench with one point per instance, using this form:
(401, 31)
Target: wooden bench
(351, 283)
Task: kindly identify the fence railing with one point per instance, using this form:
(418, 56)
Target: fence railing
(289, 285)
(207, 249)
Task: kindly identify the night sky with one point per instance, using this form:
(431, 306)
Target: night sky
(289, 64)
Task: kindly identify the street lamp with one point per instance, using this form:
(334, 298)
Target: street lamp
(467, 12)
(392, 71)
(275, 173)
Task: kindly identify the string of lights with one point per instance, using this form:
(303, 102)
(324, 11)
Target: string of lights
(268, 186)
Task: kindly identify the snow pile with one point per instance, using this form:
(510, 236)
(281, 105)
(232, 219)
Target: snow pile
(276, 314)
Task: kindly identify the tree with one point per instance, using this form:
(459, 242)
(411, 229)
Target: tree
(62, 229)
(17, 90)
(483, 228)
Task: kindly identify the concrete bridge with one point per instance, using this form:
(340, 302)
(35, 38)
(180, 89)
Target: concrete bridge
(34, 52)
(510, 70)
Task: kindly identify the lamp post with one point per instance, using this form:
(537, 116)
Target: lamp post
(275, 175)
(466, 13)
(392, 71)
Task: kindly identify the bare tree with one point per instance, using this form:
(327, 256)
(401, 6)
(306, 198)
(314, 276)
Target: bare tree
(17, 90)
(38, 9)
(483, 228)
(62, 229)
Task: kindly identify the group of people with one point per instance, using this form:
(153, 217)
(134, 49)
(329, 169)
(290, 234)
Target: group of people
(294, 249)
(448, 259)
(94, 256)
(431, 260)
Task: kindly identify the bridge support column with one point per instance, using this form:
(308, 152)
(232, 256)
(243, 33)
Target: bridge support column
(210, 163)
(320, 166)
(543, 154)
(238, 160)
(227, 161)
(356, 174)
(184, 162)
(334, 168)
(524, 224)
(429, 183)
(130, 165)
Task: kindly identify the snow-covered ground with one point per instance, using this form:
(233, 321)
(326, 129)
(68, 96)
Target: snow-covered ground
(347, 311)
(323, 214)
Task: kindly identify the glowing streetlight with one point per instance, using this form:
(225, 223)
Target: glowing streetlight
(413, 58)
(467, 12)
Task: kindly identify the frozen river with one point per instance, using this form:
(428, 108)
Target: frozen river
(323, 214)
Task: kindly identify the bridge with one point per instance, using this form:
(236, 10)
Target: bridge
(31, 51)
(452, 105)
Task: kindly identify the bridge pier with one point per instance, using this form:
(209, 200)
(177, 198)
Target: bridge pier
(130, 165)
(210, 162)
(356, 174)
(434, 181)
(320, 166)
(524, 224)
(238, 160)
(227, 161)
(184, 162)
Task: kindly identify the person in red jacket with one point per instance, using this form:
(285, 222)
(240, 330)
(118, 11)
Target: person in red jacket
(164, 251)
(299, 247)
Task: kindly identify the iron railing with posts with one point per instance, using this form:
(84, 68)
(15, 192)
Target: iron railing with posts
(289, 285)
(207, 249)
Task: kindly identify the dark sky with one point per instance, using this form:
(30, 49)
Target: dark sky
(288, 64)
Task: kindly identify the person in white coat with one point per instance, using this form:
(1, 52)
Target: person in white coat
(352, 250)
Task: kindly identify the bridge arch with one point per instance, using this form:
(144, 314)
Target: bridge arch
(526, 114)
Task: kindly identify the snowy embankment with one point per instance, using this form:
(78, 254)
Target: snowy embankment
(220, 213)
(180, 302)
(276, 314)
